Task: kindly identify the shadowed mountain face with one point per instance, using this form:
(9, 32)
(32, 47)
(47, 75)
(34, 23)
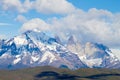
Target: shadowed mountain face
(36, 48)
(50, 73)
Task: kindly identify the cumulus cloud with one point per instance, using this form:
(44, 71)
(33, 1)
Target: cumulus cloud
(21, 19)
(35, 24)
(54, 6)
(16, 5)
(41, 6)
(95, 26)
(11, 4)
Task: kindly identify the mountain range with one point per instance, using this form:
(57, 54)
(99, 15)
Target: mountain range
(38, 48)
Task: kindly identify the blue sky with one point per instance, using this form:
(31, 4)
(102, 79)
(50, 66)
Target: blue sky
(111, 5)
(16, 15)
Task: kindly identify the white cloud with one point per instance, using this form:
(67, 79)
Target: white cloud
(11, 4)
(95, 26)
(21, 18)
(16, 5)
(54, 6)
(5, 24)
(2, 36)
(42, 6)
(35, 24)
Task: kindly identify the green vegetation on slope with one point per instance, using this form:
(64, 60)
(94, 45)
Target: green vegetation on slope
(50, 73)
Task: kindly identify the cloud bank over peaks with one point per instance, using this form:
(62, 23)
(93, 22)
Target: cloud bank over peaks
(35, 23)
(41, 6)
(95, 26)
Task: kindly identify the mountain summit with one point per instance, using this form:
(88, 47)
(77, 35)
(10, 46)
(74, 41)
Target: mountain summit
(37, 48)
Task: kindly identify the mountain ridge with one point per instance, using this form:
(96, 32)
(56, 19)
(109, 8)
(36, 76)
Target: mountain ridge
(37, 48)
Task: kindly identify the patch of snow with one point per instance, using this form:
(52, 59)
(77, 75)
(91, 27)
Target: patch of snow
(82, 57)
(111, 54)
(20, 40)
(51, 47)
(35, 58)
(16, 60)
(116, 52)
(36, 30)
(48, 55)
(93, 62)
(17, 56)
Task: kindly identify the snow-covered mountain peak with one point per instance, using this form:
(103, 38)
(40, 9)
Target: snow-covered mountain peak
(20, 40)
(45, 37)
(72, 40)
(36, 30)
(39, 48)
